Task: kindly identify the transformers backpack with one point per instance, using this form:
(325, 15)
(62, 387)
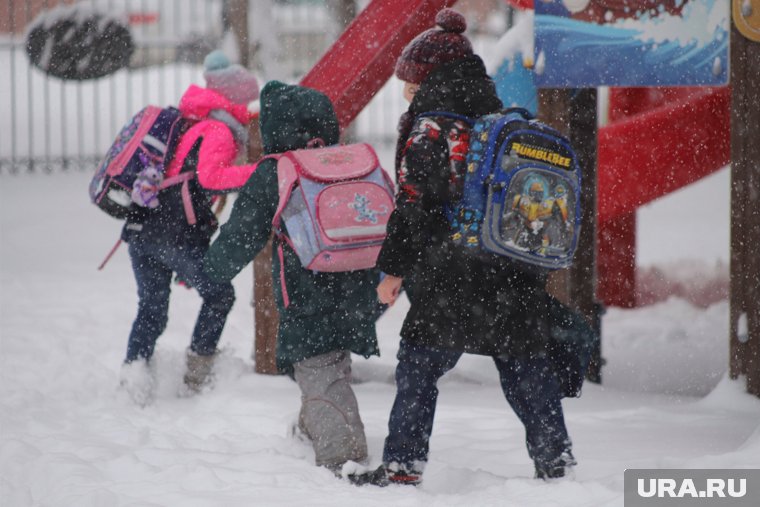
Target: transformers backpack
(521, 192)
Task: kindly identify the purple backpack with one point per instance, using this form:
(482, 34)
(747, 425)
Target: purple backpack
(133, 168)
(335, 202)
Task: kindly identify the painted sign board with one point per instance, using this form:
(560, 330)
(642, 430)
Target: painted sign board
(588, 43)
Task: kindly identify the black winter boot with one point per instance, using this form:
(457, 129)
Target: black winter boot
(557, 468)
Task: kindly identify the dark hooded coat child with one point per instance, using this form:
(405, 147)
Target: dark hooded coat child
(327, 311)
(329, 315)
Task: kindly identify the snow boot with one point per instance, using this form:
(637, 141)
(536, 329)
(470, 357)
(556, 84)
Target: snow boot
(199, 374)
(136, 378)
(376, 477)
(557, 468)
(405, 475)
(359, 475)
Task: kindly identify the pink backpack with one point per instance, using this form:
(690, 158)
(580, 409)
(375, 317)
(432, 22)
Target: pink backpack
(335, 202)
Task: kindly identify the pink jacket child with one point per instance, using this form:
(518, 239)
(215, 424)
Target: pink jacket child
(173, 237)
(223, 127)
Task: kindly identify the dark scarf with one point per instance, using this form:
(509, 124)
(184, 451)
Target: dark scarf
(461, 87)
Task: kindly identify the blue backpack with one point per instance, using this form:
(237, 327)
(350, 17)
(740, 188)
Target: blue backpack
(521, 192)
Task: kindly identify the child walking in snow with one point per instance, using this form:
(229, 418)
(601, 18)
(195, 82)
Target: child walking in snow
(458, 304)
(328, 315)
(161, 239)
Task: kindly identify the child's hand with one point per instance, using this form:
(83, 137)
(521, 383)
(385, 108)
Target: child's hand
(388, 289)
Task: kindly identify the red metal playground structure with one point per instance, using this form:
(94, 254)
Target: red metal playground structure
(658, 140)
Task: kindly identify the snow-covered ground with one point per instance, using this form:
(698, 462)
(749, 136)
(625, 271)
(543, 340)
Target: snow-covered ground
(68, 436)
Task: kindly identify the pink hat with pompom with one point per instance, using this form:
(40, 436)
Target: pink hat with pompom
(231, 80)
(442, 44)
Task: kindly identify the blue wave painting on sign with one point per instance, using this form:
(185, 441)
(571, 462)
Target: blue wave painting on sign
(587, 43)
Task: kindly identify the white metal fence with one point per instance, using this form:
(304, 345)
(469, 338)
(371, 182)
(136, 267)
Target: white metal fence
(50, 124)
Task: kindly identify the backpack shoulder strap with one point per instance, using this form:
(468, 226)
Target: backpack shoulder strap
(447, 114)
(187, 202)
(518, 112)
(287, 176)
(183, 178)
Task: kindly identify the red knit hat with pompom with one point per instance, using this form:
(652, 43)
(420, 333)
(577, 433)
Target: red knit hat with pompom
(441, 44)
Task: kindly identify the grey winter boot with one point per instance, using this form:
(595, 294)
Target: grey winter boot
(199, 372)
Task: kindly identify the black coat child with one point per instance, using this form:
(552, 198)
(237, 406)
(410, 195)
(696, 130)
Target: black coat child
(460, 303)
(457, 302)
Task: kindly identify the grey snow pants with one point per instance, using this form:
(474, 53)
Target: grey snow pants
(329, 411)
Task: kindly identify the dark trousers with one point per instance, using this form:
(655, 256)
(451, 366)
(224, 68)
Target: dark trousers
(153, 265)
(529, 385)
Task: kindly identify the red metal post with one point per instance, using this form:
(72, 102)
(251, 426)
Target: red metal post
(616, 261)
(616, 237)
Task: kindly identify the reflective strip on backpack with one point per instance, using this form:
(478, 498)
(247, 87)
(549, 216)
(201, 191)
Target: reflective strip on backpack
(152, 141)
(355, 231)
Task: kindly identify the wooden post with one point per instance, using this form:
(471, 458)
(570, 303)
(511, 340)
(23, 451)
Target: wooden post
(574, 113)
(344, 12)
(265, 315)
(553, 109)
(583, 277)
(745, 209)
(236, 14)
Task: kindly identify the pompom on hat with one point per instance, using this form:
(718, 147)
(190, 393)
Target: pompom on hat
(231, 80)
(442, 44)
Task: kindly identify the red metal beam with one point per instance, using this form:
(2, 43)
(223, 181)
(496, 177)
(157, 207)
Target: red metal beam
(656, 149)
(362, 59)
(630, 101)
(659, 151)
(660, 139)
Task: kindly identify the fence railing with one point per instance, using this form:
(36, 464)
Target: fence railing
(51, 124)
